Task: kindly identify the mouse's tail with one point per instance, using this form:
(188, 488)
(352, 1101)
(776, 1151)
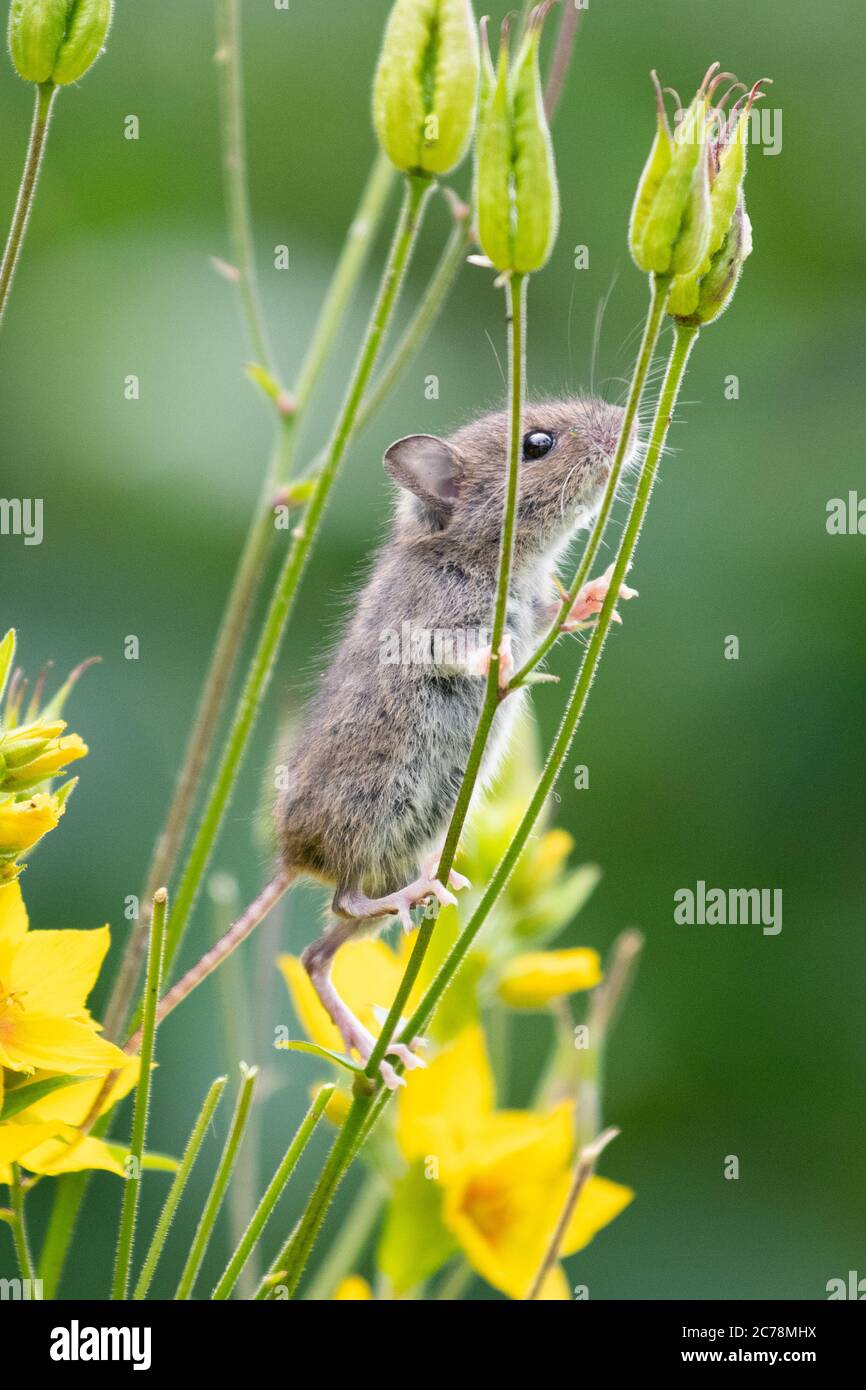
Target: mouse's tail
(237, 932)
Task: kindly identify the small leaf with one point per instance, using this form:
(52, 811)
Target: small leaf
(326, 1053)
(19, 1098)
(414, 1242)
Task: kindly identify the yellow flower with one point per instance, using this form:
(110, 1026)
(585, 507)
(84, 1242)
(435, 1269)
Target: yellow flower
(46, 1031)
(504, 1174)
(532, 980)
(22, 823)
(45, 978)
(35, 753)
(353, 1289)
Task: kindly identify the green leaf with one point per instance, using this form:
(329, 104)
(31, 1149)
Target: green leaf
(18, 1098)
(414, 1241)
(156, 1163)
(326, 1053)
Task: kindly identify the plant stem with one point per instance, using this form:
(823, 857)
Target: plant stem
(190, 1154)
(516, 299)
(282, 601)
(19, 1227)
(297, 1250)
(658, 298)
(684, 338)
(69, 1192)
(210, 1212)
(561, 57)
(129, 1208)
(584, 1169)
(345, 1252)
(45, 94)
(367, 1107)
(272, 1194)
(251, 565)
(604, 1005)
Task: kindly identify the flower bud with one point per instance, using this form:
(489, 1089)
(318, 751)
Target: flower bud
(716, 288)
(426, 85)
(22, 823)
(57, 40)
(515, 175)
(533, 980)
(727, 166)
(669, 225)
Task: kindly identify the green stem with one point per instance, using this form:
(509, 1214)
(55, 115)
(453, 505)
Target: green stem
(366, 1110)
(211, 1209)
(684, 338)
(45, 94)
(347, 1248)
(516, 299)
(660, 288)
(272, 1194)
(234, 151)
(297, 1250)
(282, 601)
(69, 1192)
(132, 1188)
(190, 1154)
(260, 535)
(19, 1228)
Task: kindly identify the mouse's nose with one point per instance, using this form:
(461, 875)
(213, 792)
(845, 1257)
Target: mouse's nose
(605, 427)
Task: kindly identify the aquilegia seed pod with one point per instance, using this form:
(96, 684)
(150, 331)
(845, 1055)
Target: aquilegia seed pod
(426, 85)
(716, 288)
(669, 227)
(516, 192)
(57, 40)
(727, 170)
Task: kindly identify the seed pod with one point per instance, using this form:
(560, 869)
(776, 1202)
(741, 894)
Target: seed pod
(426, 85)
(515, 175)
(727, 167)
(716, 288)
(670, 218)
(57, 40)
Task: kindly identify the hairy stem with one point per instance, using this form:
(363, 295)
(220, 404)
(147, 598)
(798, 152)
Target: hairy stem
(45, 94)
(132, 1188)
(19, 1227)
(282, 601)
(272, 1195)
(175, 1192)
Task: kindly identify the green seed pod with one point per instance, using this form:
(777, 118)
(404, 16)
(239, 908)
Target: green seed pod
(716, 289)
(515, 175)
(426, 85)
(670, 218)
(727, 174)
(57, 40)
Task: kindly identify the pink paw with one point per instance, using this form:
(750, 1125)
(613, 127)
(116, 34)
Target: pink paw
(591, 598)
(479, 664)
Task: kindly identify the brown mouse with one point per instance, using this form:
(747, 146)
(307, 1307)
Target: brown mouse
(377, 763)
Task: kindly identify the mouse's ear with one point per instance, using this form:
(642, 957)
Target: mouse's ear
(428, 467)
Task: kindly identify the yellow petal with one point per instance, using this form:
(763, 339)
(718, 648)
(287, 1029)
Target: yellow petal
(442, 1109)
(54, 971)
(38, 1041)
(600, 1201)
(73, 1104)
(532, 980)
(353, 1288)
(555, 1287)
(22, 823)
(15, 1140)
(13, 914)
(70, 1154)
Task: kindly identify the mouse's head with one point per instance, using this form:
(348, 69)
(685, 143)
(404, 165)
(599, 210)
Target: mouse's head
(456, 487)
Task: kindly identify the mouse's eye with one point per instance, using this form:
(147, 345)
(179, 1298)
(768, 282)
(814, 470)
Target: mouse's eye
(537, 443)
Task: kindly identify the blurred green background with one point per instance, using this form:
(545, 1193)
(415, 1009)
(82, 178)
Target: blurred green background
(742, 773)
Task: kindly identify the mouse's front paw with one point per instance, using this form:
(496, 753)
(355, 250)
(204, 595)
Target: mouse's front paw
(479, 663)
(591, 598)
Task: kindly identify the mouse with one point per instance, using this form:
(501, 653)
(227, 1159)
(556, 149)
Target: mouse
(377, 762)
